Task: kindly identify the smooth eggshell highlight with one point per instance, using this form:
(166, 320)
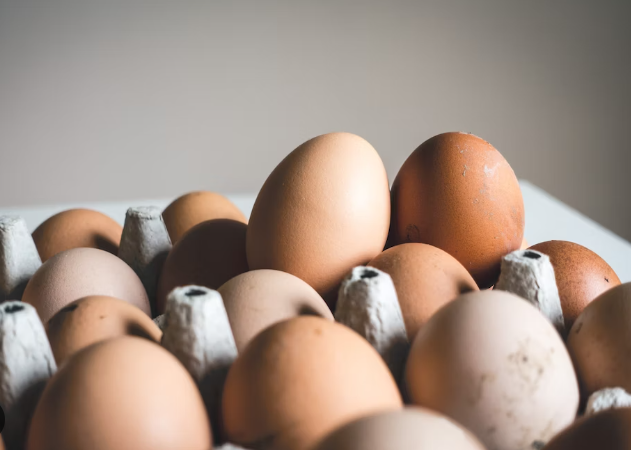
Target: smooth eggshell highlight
(259, 298)
(81, 272)
(300, 379)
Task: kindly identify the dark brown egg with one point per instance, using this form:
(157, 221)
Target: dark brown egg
(196, 207)
(425, 278)
(210, 254)
(607, 430)
(600, 342)
(323, 210)
(94, 319)
(77, 228)
(81, 272)
(581, 275)
(458, 193)
(122, 394)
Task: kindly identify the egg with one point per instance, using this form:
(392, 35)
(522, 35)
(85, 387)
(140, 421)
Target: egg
(600, 342)
(94, 319)
(257, 299)
(425, 279)
(122, 394)
(610, 430)
(193, 208)
(408, 429)
(492, 362)
(323, 210)
(581, 275)
(76, 228)
(78, 273)
(298, 380)
(458, 193)
(524, 244)
(209, 254)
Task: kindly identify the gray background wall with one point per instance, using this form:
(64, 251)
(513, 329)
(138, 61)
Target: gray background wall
(147, 99)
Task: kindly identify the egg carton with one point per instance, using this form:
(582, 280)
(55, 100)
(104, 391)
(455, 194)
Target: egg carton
(195, 324)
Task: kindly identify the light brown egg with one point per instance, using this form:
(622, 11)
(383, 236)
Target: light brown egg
(458, 193)
(600, 342)
(122, 394)
(411, 428)
(607, 430)
(78, 273)
(425, 278)
(77, 228)
(494, 363)
(196, 207)
(524, 244)
(581, 275)
(300, 379)
(257, 299)
(324, 210)
(210, 254)
(94, 319)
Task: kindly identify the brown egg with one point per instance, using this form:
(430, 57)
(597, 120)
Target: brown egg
(494, 363)
(196, 207)
(324, 210)
(78, 273)
(257, 299)
(581, 275)
(77, 228)
(411, 428)
(300, 379)
(607, 430)
(208, 255)
(94, 319)
(425, 278)
(122, 394)
(600, 342)
(458, 193)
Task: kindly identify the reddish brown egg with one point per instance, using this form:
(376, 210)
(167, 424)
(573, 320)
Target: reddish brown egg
(581, 275)
(122, 394)
(300, 379)
(94, 319)
(257, 299)
(81, 272)
(458, 193)
(210, 254)
(425, 278)
(77, 228)
(324, 210)
(196, 207)
(600, 342)
(607, 430)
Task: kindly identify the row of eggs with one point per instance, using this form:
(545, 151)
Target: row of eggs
(325, 209)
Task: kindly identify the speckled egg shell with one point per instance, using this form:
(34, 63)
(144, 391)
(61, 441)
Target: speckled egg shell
(426, 278)
(257, 299)
(81, 272)
(193, 208)
(300, 379)
(122, 394)
(324, 210)
(492, 362)
(94, 319)
(600, 342)
(458, 193)
(581, 275)
(210, 254)
(77, 228)
(412, 428)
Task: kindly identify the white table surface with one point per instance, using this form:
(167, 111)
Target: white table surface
(546, 218)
